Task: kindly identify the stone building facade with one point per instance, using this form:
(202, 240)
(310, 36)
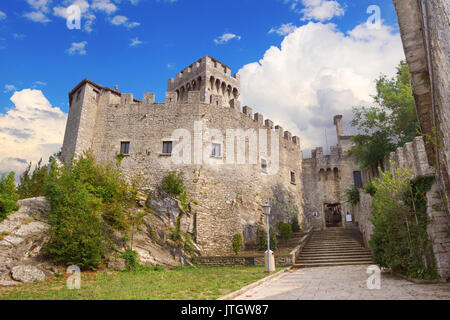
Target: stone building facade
(233, 160)
(325, 179)
(425, 32)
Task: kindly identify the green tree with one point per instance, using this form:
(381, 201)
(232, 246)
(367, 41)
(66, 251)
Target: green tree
(33, 186)
(88, 200)
(8, 195)
(389, 123)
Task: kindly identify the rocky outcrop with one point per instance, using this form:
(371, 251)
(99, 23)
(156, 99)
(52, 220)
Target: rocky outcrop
(22, 235)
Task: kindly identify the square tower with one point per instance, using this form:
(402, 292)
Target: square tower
(209, 76)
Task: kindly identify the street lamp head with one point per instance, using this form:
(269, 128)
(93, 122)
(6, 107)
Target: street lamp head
(266, 208)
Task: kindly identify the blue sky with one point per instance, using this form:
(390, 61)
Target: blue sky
(139, 44)
(174, 34)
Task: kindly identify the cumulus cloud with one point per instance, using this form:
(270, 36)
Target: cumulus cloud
(31, 130)
(225, 38)
(2, 15)
(37, 16)
(284, 29)
(41, 8)
(319, 72)
(320, 10)
(104, 5)
(77, 48)
(123, 21)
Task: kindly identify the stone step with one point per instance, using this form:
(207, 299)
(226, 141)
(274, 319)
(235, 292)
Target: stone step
(335, 258)
(365, 260)
(343, 243)
(329, 264)
(335, 254)
(332, 247)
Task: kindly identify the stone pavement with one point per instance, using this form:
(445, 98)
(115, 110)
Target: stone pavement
(343, 283)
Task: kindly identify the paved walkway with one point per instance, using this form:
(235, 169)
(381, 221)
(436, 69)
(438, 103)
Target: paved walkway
(343, 283)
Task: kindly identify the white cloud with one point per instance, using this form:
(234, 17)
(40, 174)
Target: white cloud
(317, 73)
(226, 37)
(2, 15)
(104, 5)
(37, 16)
(9, 88)
(77, 48)
(284, 29)
(123, 21)
(31, 130)
(135, 42)
(39, 5)
(40, 8)
(39, 84)
(320, 10)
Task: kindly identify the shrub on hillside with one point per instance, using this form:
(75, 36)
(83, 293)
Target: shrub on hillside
(87, 201)
(173, 183)
(8, 195)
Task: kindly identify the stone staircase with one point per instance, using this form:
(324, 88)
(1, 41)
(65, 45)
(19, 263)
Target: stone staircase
(333, 247)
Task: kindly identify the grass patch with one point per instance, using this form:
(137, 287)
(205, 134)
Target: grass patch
(181, 283)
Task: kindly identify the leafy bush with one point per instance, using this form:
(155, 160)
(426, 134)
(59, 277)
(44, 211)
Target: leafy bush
(237, 243)
(262, 239)
(173, 183)
(352, 194)
(295, 226)
(87, 201)
(131, 259)
(285, 230)
(369, 188)
(8, 195)
(30, 187)
(399, 216)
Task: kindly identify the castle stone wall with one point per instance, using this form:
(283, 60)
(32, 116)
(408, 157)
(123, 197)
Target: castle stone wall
(425, 32)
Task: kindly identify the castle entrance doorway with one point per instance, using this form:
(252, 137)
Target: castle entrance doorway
(333, 215)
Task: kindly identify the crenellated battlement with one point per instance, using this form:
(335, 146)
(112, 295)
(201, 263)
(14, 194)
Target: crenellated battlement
(210, 77)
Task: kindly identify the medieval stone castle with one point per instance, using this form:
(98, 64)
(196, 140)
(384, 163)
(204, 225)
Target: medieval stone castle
(233, 160)
(203, 100)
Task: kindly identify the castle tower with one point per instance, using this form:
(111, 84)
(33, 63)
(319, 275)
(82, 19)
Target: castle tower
(212, 78)
(83, 105)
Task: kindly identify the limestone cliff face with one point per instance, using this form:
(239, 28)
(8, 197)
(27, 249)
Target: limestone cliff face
(22, 237)
(23, 234)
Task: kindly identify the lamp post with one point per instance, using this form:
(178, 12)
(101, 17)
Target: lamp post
(269, 257)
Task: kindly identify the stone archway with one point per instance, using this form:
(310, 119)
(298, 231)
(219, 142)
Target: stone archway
(333, 215)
